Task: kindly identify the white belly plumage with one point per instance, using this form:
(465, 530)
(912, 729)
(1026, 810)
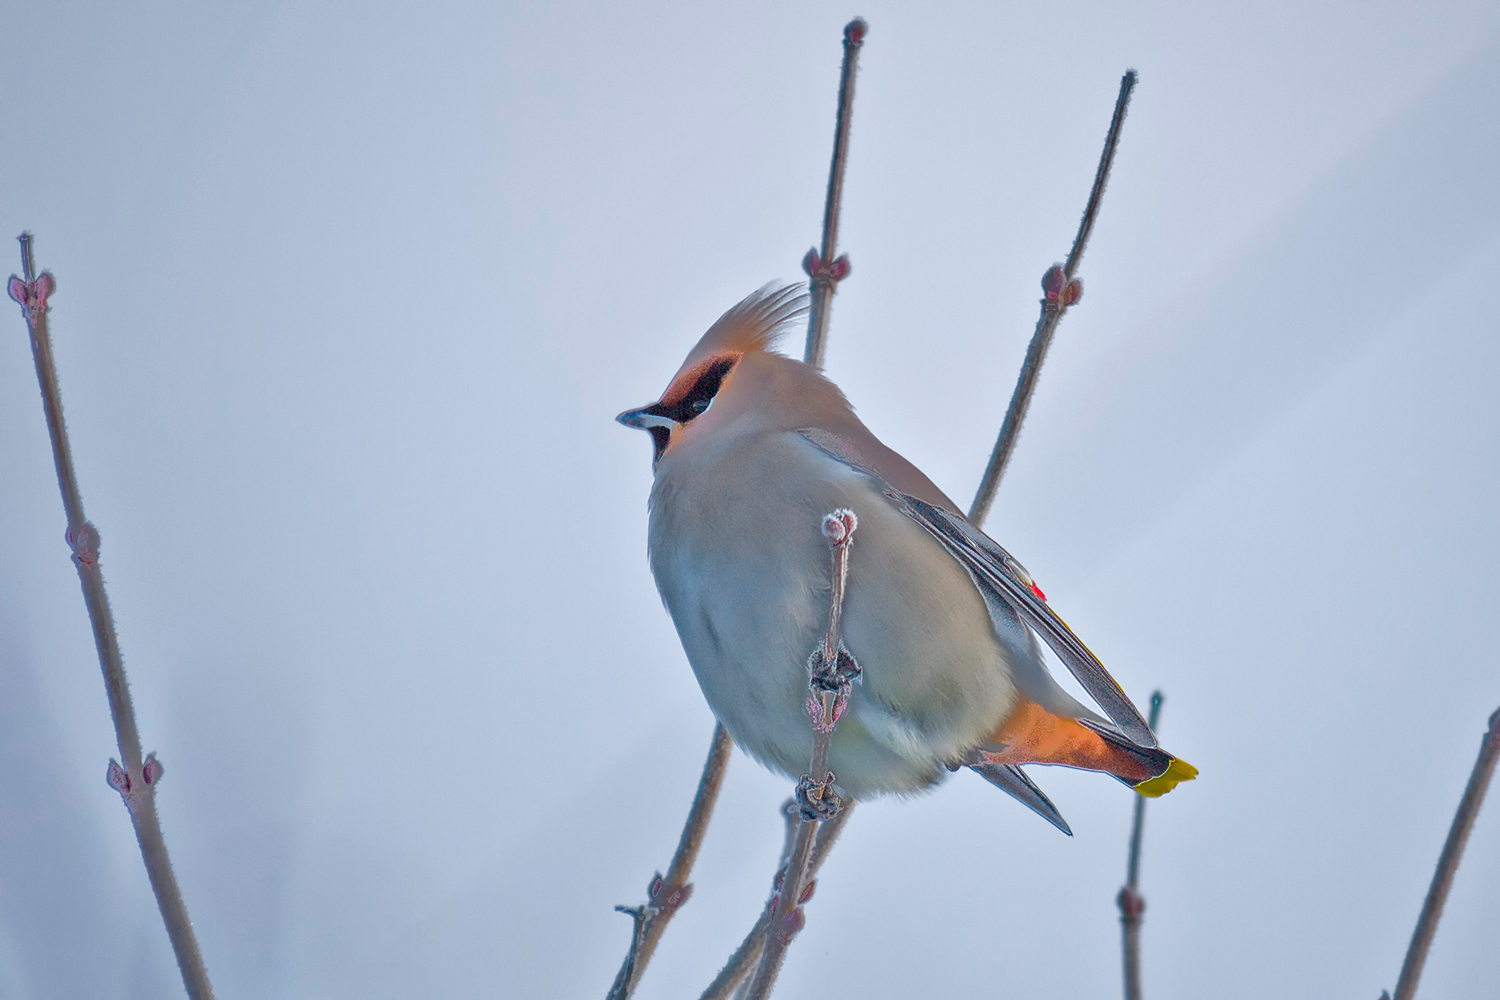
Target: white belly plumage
(744, 572)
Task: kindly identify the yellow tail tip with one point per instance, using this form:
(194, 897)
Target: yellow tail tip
(1178, 770)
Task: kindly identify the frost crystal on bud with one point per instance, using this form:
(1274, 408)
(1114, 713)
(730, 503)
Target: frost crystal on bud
(839, 525)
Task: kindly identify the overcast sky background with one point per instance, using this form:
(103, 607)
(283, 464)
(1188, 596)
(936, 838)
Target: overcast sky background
(348, 295)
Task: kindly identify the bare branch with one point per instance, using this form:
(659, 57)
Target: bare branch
(669, 892)
(1062, 289)
(1132, 903)
(824, 271)
(823, 268)
(1447, 867)
(136, 780)
(831, 674)
(748, 953)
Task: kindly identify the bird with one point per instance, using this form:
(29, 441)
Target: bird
(750, 449)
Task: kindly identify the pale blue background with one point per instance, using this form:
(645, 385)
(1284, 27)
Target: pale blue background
(348, 295)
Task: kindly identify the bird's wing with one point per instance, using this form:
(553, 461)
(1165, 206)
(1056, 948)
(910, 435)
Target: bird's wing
(986, 559)
(1011, 779)
(983, 557)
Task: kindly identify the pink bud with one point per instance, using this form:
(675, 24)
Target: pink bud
(84, 542)
(1054, 281)
(654, 889)
(839, 269)
(1131, 903)
(807, 891)
(855, 31)
(791, 924)
(18, 290)
(812, 263)
(833, 528)
(118, 778)
(1073, 292)
(152, 770)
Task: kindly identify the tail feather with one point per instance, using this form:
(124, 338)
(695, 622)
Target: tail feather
(1033, 735)
(1164, 769)
(1011, 779)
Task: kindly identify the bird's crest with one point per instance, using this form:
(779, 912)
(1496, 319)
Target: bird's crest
(755, 324)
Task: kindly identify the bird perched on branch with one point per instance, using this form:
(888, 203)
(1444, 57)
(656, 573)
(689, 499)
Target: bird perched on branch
(750, 450)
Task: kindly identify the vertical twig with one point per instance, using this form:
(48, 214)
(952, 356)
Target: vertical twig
(823, 269)
(136, 781)
(1132, 904)
(1447, 867)
(667, 893)
(831, 673)
(1061, 289)
(737, 969)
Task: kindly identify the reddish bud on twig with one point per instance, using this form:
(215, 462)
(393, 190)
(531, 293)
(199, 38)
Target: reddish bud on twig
(85, 544)
(1059, 289)
(830, 272)
(32, 295)
(855, 31)
(119, 779)
(791, 924)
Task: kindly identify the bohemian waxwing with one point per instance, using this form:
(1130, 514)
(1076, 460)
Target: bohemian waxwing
(751, 450)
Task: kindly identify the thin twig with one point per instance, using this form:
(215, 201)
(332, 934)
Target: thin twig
(136, 781)
(1062, 290)
(667, 893)
(823, 272)
(1132, 903)
(737, 969)
(1447, 867)
(823, 268)
(831, 673)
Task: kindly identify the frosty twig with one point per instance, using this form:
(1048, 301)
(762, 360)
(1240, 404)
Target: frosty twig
(135, 779)
(668, 892)
(1061, 289)
(1453, 852)
(824, 270)
(1132, 904)
(831, 674)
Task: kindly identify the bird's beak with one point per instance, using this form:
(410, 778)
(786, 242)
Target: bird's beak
(646, 418)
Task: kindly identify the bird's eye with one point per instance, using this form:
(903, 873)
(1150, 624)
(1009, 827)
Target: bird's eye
(701, 396)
